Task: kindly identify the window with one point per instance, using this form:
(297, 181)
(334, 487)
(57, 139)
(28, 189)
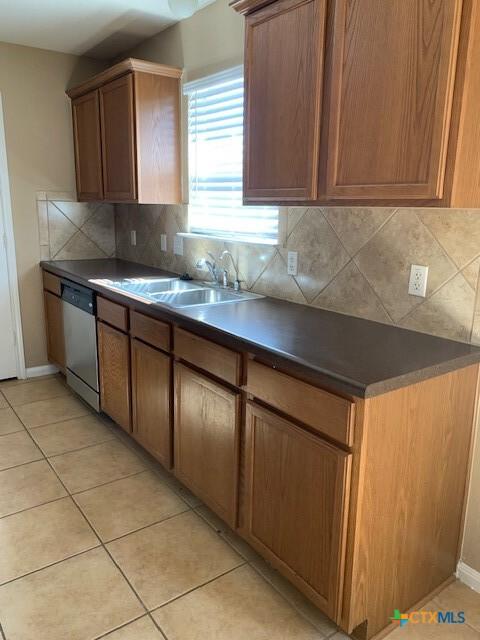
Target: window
(215, 159)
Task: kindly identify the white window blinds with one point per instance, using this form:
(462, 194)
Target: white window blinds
(215, 159)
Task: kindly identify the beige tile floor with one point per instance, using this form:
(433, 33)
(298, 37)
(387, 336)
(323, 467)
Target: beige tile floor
(98, 541)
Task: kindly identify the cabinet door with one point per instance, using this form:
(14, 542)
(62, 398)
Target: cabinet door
(54, 326)
(206, 435)
(393, 71)
(114, 373)
(151, 409)
(283, 84)
(296, 495)
(118, 139)
(87, 143)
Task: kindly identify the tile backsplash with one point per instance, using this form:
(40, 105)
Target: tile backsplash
(70, 230)
(352, 260)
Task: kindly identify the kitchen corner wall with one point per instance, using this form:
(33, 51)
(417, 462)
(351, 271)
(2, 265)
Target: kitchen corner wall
(355, 261)
(38, 132)
(70, 230)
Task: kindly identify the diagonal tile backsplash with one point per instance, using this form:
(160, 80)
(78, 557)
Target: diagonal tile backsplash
(71, 230)
(352, 260)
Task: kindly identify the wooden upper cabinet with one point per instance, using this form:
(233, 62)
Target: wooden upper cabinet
(127, 134)
(118, 139)
(392, 77)
(357, 102)
(295, 504)
(283, 84)
(87, 143)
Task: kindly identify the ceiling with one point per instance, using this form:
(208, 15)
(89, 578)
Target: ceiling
(99, 28)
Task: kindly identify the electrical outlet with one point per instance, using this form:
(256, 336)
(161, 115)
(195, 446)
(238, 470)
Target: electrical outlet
(178, 245)
(133, 238)
(417, 285)
(292, 263)
(163, 241)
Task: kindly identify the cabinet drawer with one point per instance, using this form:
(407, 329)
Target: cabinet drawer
(149, 330)
(52, 283)
(112, 313)
(211, 357)
(323, 411)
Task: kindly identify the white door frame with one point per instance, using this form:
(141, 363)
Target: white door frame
(9, 242)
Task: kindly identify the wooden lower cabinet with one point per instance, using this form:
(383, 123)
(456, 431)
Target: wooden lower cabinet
(55, 334)
(151, 401)
(114, 373)
(207, 434)
(295, 501)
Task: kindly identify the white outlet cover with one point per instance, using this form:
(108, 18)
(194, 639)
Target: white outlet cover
(292, 263)
(178, 245)
(163, 241)
(133, 238)
(417, 285)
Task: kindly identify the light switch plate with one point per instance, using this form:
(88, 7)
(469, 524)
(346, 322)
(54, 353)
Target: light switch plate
(133, 238)
(292, 263)
(417, 285)
(178, 245)
(163, 241)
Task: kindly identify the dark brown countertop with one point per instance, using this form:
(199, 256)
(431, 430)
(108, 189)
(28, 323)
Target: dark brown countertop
(348, 355)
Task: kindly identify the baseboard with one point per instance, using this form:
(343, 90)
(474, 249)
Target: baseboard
(44, 370)
(468, 576)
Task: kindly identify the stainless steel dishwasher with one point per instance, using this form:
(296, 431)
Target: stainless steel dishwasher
(79, 323)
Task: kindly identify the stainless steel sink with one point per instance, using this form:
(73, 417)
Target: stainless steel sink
(146, 287)
(203, 296)
(176, 293)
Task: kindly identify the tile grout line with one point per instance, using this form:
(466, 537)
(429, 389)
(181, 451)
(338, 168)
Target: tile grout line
(65, 394)
(444, 249)
(51, 564)
(101, 544)
(108, 633)
(63, 453)
(58, 455)
(88, 522)
(104, 484)
(429, 297)
(151, 465)
(250, 563)
(199, 586)
(42, 504)
(38, 426)
(129, 533)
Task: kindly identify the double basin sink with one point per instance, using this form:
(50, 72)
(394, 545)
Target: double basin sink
(176, 293)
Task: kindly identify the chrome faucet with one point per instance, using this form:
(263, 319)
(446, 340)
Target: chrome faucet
(236, 284)
(211, 266)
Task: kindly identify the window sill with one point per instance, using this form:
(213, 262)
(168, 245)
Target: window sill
(236, 240)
